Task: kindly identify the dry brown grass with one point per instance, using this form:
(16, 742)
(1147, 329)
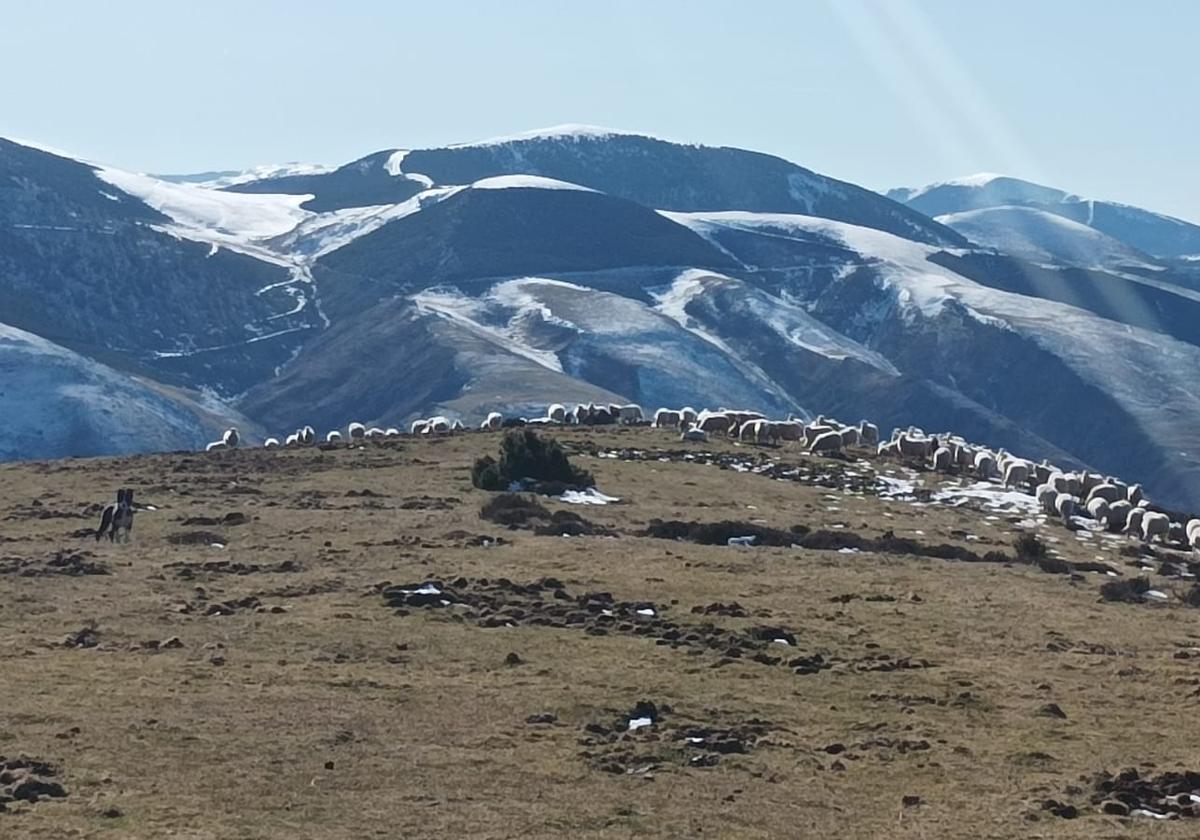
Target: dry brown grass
(423, 725)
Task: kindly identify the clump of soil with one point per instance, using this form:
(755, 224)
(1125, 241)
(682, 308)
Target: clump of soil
(525, 457)
(516, 511)
(1171, 795)
(63, 562)
(196, 538)
(1130, 591)
(190, 571)
(719, 533)
(25, 779)
(651, 737)
(228, 520)
(548, 603)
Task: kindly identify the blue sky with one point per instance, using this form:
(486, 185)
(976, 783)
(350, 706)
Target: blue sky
(1097, 97)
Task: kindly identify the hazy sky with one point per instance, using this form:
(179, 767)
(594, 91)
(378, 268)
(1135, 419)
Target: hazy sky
(1093, 96)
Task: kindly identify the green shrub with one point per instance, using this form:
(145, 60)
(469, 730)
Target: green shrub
(525, 456)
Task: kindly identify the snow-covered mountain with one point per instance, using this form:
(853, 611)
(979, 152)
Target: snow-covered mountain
(55, 404)
(580, 264)
(1041, 236)
(1142, 230)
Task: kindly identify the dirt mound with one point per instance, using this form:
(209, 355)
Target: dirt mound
(65, 562)
(1167, 796)
(548, 603)
(516, 511)
(229, 520)
(29, 780)
(196, 538)
(719, 533)
(1131, 591)
(649, 738)
(190, 571)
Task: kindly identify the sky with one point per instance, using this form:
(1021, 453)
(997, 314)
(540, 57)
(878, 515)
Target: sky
(1098, 97)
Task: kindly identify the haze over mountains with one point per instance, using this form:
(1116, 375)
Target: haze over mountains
(580, 264)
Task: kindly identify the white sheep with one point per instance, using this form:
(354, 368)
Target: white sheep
(1155, 524)
(850, 435)
(216, 446)
(375, 432)
(1133, 522)
(628, 415)
(666, 418)
(687, 414)
(231, 438)
(1107, 492)
(868, 433)
(1016, 474)
(1046, 494)
(271, 443)
(333, 437)
(830, 441)
(1193, 535)
(916, 445)
(392, 432)
(1098, 509)
(1118, 514)
(1135, 494)
(1064, 504)
(495, 420)
(943, 458)
(691, 433)
(985, 464)
(308, 436)
(356, 431)
(419, 427)
(293, 439)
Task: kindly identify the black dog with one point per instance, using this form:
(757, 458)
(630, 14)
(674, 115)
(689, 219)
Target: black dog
(117, 517)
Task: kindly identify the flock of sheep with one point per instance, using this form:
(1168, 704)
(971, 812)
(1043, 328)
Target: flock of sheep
(1111, 503)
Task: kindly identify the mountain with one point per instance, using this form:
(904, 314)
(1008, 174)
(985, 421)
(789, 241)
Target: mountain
(162, 278)
(1142, 230)
(1041, 236)
(652, 172)
(579, 264)
(55, 403)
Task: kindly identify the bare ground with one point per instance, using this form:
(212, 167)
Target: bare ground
(255, 680)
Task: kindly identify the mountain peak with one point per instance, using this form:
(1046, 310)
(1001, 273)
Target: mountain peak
(566, 131)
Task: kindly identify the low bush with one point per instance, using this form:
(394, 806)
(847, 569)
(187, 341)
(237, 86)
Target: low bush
(526, 457)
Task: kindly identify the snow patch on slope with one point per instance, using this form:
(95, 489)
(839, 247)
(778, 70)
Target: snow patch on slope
(57, 403)
(1041, 236)
(265, 172)
(528, 182)
(476, 316)
(239, 217)
(323, 233)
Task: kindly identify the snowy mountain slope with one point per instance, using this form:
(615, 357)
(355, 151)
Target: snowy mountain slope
(572, 265)
(975, 192)
(1142, 230)
(88, 252)
(1041, 236)
(1111, 394)
(650, 171)
(476, 234)
(235, 177)
(55, 403)
(371, 180)
(396, 362)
